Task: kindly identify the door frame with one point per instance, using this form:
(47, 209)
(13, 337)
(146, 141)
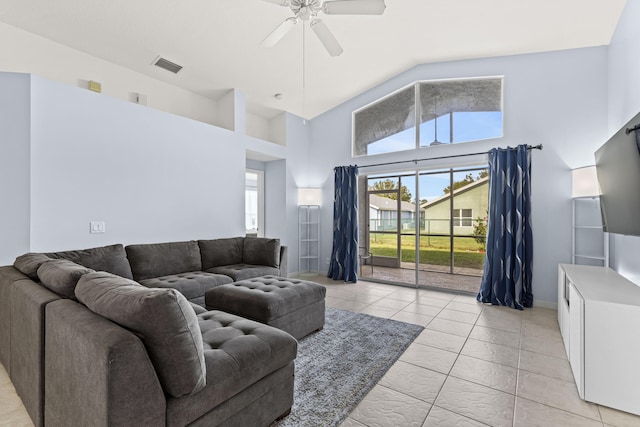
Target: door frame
(260, 191)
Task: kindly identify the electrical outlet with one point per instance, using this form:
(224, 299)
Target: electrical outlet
(97, 227)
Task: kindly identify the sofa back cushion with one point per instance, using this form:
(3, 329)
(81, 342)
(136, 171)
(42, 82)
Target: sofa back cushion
(61, 276)
(219, 252)
(163, 259)
(260, 251)
(162, 318)
(29, 264)
(112, 259)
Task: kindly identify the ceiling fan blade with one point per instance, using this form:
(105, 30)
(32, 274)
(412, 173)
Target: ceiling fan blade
(326, 37)
(280, 2)
(354, 7)
(280, 31)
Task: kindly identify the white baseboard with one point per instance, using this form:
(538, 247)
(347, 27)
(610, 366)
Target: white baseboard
(546, 304)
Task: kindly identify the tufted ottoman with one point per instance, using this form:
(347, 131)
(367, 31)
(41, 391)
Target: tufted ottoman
(295, 306)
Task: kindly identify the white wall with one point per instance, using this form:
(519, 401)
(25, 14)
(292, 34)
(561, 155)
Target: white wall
(25, 52)
(282, 179)
(278, 129)
(257, 127)
(624, 103)
(557, 99)
(275, 199)
(151, 176)
(15, 108)
(255, 165)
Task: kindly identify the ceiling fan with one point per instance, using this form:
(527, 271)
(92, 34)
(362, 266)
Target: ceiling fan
(307, 10)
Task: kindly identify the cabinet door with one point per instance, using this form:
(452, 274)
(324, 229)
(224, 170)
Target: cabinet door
(576, 338)
(563, 308)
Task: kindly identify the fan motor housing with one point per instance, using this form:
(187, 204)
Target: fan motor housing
(305, 9)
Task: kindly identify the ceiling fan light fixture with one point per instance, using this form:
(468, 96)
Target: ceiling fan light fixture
(308, 10)
(354, 7)
(326, 37)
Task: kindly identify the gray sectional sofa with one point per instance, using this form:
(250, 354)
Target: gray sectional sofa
(194, 267)
(85, 344)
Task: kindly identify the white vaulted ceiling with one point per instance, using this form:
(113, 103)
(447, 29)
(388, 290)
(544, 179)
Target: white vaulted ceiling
(218, 41)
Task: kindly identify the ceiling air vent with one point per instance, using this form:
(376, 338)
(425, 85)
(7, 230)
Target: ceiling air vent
(167, 65)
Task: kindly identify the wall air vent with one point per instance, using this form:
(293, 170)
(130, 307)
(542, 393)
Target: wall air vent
(167, 65)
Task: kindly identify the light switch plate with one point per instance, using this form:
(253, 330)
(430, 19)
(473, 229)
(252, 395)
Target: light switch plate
(96, 227)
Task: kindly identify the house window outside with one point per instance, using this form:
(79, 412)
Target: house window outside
(463, 217)
(430, 113)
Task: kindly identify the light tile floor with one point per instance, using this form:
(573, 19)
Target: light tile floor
(473, 365)
(12, 411)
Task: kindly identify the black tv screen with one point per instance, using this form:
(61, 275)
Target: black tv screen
(618, 169)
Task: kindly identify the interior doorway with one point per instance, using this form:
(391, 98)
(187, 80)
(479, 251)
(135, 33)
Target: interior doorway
(254, 203)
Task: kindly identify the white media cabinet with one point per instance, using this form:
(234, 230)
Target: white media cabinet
(599, 317)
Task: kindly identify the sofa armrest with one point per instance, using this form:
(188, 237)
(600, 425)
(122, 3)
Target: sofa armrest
(96, 372)
(8, 275)
(29, 301)
(284, 263)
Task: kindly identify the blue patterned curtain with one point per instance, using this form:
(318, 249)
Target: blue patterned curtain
(508, 261)
(344, 255)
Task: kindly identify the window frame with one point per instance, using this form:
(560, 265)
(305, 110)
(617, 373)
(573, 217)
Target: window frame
(418, 113)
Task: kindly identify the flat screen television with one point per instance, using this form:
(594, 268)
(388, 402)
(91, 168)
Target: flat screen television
(618, 169)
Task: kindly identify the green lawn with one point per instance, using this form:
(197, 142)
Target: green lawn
(433, 250)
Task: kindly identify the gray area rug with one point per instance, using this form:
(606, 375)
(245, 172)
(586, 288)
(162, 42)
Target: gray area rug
(337, 366)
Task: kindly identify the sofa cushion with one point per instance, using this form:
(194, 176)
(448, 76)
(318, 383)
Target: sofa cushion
(260, 251)
(29, 264)
(112, 259)
(192, 284)
(239, 272)
(265, 298)
(163, 259)
(238, 353)
(164, 320)
(61, 276)
(219, 252)
(198, 309)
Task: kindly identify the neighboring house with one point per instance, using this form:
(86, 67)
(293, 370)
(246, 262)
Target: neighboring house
(469, 203)
(383, 213)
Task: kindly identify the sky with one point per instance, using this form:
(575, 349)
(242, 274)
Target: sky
(467, 126)
(432, 185)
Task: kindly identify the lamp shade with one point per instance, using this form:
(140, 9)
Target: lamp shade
(585, 182)
(309, 196)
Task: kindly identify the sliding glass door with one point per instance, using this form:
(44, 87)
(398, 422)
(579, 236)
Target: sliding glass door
(424, 224)
(384, 220)
(435, 223)
(469, 216)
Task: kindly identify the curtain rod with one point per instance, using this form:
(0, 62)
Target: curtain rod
(633, 129)
(530, 147)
